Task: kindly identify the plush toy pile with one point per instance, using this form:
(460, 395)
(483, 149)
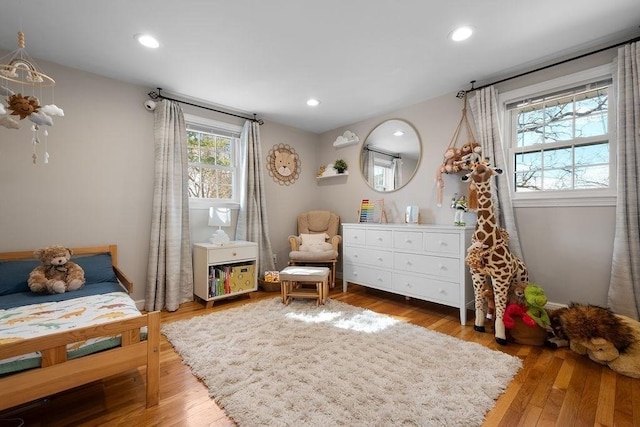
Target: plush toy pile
(57, 274)
(525, 318)
(607, 338)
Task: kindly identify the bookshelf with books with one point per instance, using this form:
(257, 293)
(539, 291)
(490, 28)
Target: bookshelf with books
(224, 271)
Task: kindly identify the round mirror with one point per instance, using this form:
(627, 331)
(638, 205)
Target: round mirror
(390, 155)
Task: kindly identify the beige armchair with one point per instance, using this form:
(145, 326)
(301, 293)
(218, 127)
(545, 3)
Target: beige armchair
(317, 242)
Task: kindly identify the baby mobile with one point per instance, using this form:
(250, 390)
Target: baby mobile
(22, 85)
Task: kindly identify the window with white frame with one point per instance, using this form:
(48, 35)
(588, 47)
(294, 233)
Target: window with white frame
(560, 138)
(213, 148)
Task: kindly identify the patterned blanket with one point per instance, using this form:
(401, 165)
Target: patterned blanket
(40, 319)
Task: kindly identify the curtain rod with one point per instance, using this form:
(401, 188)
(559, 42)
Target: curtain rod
(395, 156)
(158, 94)
(462, 93)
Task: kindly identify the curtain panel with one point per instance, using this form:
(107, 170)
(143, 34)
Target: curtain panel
(253, 225)
(170, 270)
(624, 286)
(484, 107)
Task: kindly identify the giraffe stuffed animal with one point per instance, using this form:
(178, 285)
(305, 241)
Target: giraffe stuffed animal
(489, 257)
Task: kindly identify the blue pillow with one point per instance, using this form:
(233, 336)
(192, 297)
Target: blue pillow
(97, 268)
(14, 275)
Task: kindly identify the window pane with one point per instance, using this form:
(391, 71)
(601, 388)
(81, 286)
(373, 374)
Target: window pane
(592, 154)
(530, 137)
(557, 179)
(594, 125)
(559, 131)
(528, 161)
(557, 158)
(592, 177)
(528, 181)
(194, 181)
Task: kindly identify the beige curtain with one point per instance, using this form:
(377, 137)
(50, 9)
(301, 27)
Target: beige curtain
(624, 287)
(170, 272)
(486, 116)
(253, 225)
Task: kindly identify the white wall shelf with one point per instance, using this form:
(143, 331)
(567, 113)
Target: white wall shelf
(331, 175)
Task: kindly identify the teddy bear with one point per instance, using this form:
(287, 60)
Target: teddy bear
(605, 337)
(57, 274)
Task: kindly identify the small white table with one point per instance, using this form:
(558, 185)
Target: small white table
(294, 281)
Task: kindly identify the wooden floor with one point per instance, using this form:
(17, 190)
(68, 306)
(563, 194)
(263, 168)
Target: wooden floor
(554, 388)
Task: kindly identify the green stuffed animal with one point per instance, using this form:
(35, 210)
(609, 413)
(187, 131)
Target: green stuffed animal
(535, 300)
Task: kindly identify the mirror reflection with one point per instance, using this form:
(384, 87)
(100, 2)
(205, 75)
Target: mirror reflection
(390, 155)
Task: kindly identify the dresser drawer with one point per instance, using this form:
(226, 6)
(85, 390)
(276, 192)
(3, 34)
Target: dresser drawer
(447, 268)
(379, 238)
(408, 240)
(374, 257)
(372, 277)
(442, 243)
(352, 236)
(231, 253)
(429, 289)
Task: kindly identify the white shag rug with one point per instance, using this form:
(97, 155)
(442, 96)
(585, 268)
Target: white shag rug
(268, 364)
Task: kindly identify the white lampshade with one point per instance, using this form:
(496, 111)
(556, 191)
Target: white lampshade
(219, 217)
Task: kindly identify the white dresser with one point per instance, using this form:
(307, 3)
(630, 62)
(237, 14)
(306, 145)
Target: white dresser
(418, 261)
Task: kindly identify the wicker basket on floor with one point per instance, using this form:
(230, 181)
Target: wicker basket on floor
(269, 286)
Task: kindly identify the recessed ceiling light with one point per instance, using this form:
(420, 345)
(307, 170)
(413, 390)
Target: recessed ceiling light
(313, 102)
(461, 33)
(147, 41)
(398, 133)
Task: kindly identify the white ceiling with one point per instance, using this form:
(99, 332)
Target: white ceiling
(361, 58)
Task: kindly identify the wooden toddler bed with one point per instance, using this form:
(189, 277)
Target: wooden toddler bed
(56, 369)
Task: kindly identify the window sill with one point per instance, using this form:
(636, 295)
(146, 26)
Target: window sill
(564, 201)
(207, 203)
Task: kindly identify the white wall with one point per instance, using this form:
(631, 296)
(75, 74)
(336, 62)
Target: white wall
(567, 249)
(98, 185)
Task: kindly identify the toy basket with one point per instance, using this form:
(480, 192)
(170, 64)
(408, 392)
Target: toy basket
(269, 286)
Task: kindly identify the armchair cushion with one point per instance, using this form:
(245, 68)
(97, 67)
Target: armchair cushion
(313, 239)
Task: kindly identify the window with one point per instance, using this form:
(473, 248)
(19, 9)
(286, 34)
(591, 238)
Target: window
(383, 174)
(213, 149)
(561, 143)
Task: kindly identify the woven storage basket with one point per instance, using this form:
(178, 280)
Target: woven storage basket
(269, 286)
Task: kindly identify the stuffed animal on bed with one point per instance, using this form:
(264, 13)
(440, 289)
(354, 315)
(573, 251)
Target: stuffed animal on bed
(57, 274)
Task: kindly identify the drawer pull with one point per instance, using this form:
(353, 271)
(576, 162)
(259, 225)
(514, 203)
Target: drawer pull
(380, 259)
(408, 241)
(379, 239)
(442, 267)
(442, 243)
(408, 285)
(234, 254)
(355, 255)
(355, 237)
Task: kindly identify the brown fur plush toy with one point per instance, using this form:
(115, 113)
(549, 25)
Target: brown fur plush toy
(57, 274)
(604, 336)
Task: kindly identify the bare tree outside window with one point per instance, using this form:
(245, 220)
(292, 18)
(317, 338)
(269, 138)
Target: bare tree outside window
(562, 142)
(211, 165)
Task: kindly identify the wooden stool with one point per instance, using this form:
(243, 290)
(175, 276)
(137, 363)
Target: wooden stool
(304, 282)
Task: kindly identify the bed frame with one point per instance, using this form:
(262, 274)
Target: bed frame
(57, 374)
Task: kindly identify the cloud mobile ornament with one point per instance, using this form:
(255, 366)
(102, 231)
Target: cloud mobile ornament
(19, 70)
